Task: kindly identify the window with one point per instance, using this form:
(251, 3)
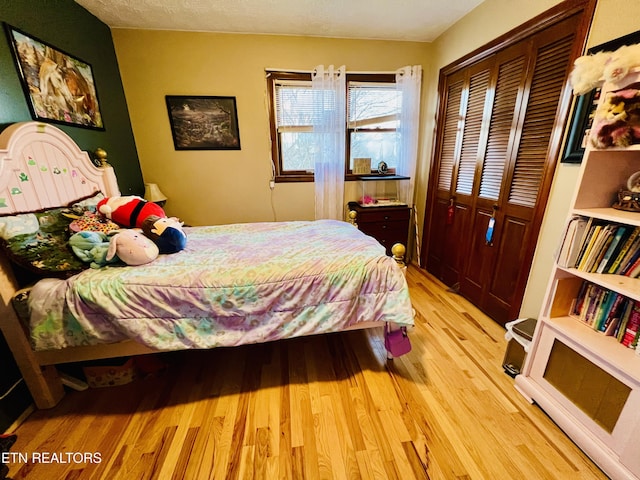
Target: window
(373, 111)
(373, 107)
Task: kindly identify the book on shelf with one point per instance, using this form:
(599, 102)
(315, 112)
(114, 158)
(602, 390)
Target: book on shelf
(588, 245)
(584, 241)
(608, 312)
(624, 319)
(578, 303)
(624, 250)
(592, 304)
(634, 270)
(630, 258)
(612, 317)
(634, 343)
(572, 241)
(602, 310)
(631, 329)
(617, 240)
(605, 237)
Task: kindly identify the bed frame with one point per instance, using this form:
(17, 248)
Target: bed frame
(42, 167)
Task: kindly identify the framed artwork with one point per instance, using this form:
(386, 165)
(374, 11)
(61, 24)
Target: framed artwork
(585, 105)
(203, 122)
(59, 87)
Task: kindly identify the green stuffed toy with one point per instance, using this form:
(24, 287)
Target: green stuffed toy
(92, 248)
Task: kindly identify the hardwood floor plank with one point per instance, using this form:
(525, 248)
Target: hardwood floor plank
(328, 406)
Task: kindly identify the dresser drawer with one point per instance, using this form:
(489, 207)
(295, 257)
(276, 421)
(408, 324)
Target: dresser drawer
(375, 215)
(387, 234)
(388, 225)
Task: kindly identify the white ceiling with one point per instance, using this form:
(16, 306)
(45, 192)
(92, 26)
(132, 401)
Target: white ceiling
(410, 20)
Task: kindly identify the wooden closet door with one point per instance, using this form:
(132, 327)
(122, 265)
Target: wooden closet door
(494, 161)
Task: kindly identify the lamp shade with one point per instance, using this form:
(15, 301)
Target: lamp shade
(152, 193)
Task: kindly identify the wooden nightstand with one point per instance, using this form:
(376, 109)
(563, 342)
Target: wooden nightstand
(388, 224)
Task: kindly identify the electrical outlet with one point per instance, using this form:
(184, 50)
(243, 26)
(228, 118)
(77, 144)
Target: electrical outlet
(272, 184)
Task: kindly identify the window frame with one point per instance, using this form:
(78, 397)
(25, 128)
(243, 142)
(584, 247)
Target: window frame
(363, 78)
(276, 157)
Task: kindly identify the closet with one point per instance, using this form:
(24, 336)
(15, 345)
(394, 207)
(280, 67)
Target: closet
(500, 123)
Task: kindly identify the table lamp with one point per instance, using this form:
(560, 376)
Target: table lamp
(153, 194)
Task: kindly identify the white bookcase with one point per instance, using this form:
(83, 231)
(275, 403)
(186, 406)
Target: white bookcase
(587, 382)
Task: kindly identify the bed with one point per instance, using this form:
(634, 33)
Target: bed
(231, 285)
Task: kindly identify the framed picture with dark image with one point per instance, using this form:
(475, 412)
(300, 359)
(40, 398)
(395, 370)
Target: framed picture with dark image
(585, 105)
(59, 87)
(203, 122)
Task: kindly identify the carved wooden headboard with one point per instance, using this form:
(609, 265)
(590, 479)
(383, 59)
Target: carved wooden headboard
(42, 167)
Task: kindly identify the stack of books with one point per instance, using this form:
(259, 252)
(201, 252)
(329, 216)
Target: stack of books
(598, 246)
(608, 312)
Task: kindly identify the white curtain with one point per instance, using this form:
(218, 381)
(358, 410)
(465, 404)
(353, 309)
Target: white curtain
(408, 81)
(329, 128)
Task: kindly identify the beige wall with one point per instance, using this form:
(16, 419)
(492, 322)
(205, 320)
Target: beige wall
(475, 30)
(215, 187)
(607, 25)
(212, 187)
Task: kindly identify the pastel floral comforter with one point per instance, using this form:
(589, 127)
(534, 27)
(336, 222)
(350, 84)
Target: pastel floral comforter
(232, 285)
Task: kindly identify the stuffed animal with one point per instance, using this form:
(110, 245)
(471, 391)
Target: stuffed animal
(587, 72)
(129, 211)
(166, 233)
(92, 248)
(90, 221)
(617, 120)
(591, 71)
(132, 247)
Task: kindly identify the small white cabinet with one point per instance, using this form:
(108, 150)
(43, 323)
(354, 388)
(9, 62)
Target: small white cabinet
(588, 382)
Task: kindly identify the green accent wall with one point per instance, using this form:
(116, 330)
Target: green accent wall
(70, 28)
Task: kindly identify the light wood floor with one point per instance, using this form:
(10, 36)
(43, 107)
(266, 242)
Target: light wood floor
(316, 408)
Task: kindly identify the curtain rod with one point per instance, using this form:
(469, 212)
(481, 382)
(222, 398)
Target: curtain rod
(311, 71)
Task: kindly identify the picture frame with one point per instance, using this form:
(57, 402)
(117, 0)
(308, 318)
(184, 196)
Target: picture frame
(200, 122)
(59, 87)
(585, 105)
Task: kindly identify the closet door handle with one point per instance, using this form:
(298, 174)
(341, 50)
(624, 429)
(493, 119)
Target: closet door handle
(488, 238)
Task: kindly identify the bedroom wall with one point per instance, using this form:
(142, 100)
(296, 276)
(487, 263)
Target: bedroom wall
(607, 25)
(70, 28)
(213, 186)
(475, 30)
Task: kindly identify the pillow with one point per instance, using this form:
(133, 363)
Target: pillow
(38, 242)
(86, 204)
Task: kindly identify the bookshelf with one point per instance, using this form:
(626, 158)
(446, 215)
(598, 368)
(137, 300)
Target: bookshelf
(586, 380)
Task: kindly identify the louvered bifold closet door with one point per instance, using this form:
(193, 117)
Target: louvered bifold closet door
(505, 102)
(492, 166)
(529, 174)
(444, 260)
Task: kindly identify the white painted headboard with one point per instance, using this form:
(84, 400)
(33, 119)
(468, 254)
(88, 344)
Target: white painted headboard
(42, 167)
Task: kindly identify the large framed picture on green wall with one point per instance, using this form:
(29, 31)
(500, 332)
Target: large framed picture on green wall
(59, 87)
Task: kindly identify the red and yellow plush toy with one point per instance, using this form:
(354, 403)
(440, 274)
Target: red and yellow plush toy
(130, 211)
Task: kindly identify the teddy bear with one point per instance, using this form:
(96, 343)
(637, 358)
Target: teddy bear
(132, 247)
(166, 233)
(129, 211)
